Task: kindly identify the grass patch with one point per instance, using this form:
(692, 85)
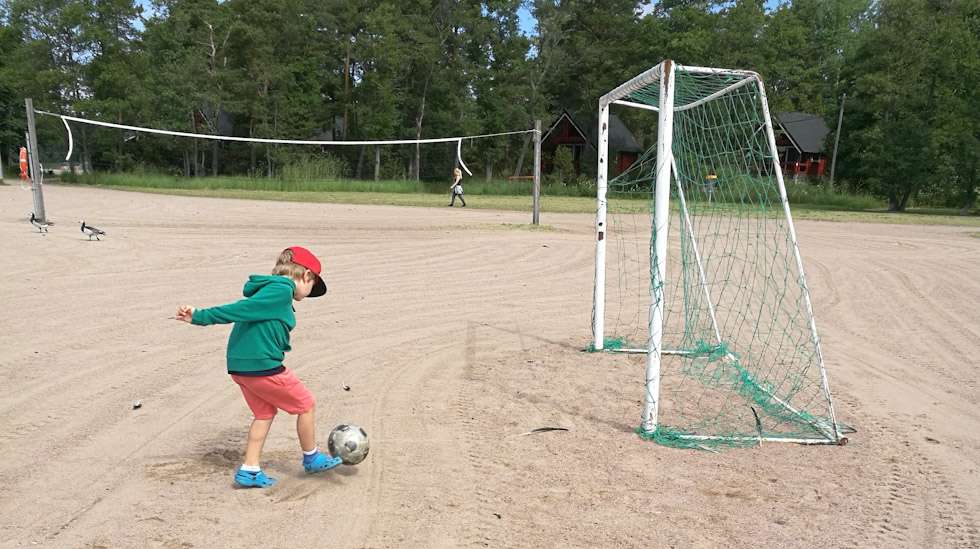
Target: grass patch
(799, 194)
(897, 218)
(549, 204)
(808, 201)
(500, 187)
(817, 196)
(554, 204)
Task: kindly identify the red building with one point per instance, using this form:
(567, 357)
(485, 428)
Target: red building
(566, 131)
(800, 139)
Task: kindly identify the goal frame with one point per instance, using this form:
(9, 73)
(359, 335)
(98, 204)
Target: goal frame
(663, 75)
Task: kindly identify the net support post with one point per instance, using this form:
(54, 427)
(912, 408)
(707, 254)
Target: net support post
(686, 222)
(599, 288)
(777, 170)
(35, 162)
(658, 267)
(536, 215)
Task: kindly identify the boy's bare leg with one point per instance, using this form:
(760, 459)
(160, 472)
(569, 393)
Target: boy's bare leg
(306, 429)
(256, 439)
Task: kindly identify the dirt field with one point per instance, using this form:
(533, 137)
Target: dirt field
(456, 334)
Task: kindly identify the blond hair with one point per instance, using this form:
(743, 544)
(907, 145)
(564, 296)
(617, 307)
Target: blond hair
(286, 267)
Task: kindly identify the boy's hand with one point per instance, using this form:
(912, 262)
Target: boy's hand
(184, 312)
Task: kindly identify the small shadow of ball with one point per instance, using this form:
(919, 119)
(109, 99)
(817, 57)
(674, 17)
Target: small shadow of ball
(346, 470)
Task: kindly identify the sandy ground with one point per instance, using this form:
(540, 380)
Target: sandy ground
(456, 334)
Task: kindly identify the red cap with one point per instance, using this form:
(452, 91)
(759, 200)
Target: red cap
(305, 258)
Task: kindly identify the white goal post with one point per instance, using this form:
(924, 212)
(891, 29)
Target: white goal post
(705, 88)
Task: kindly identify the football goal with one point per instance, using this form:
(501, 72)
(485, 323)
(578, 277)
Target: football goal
(732, 352)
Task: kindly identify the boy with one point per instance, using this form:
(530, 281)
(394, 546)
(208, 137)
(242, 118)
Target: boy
(456, 189)
(256, 347)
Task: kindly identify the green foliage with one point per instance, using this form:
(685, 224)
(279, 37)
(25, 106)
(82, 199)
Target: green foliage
(912, 120)
(563, 167)
(301, 167)
(376, 69)
(306, 175)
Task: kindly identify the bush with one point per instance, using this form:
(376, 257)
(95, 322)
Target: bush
(300, 167)
(563, 168)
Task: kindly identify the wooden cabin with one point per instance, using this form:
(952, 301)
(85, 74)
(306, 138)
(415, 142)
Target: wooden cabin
(800, 140)
(566, 131)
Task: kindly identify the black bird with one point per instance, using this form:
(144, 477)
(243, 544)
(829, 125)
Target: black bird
(92, 231)
(42, 227)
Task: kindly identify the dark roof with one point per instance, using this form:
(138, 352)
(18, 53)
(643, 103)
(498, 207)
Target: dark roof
(807, 131)
(575, 123)
(620, 137)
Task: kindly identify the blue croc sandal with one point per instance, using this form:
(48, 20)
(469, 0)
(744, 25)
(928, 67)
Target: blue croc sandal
(248, 479)
(321, 462)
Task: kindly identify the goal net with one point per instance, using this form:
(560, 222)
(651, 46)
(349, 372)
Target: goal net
(721, 308)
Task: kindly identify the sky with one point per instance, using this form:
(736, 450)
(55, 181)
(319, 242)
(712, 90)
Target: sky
(527, 20)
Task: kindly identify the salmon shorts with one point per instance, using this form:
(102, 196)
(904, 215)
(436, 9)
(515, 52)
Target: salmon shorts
(283, 391)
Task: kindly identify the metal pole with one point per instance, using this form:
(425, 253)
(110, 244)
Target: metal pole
(536, 216)
(770, 134)
(658, 267)
(686, 220)
(36, 176)
(833, 160)
(599, 289)
(1, 166)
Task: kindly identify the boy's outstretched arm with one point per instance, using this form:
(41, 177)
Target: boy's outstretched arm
(267, 304)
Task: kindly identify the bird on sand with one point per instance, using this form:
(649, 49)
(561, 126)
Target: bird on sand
(42, 226)
(92, 231)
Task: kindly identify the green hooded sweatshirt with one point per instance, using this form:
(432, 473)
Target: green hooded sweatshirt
(263, 320)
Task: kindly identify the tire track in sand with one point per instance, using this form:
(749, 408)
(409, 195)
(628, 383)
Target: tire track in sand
(915, 505)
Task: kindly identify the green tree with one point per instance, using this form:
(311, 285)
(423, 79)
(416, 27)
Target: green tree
(12, 121)
(955, 138)
(277, 66)
(46, 60)
(111, 75)
(807, 44)
(595, 49)
(909, 127)
(190, 40)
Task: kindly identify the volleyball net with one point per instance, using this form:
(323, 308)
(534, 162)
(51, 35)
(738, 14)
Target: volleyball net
(114, 153)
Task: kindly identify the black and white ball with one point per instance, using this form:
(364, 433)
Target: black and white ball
(349, 443)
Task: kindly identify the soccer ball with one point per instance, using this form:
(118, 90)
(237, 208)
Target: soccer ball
(349, 443)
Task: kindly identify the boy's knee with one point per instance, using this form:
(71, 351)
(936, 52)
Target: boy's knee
(310, 408)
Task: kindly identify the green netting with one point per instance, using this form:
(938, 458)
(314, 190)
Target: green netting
(741, 362)
(608, 344)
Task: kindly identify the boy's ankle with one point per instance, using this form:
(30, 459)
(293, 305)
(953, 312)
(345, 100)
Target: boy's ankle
(309, 457)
